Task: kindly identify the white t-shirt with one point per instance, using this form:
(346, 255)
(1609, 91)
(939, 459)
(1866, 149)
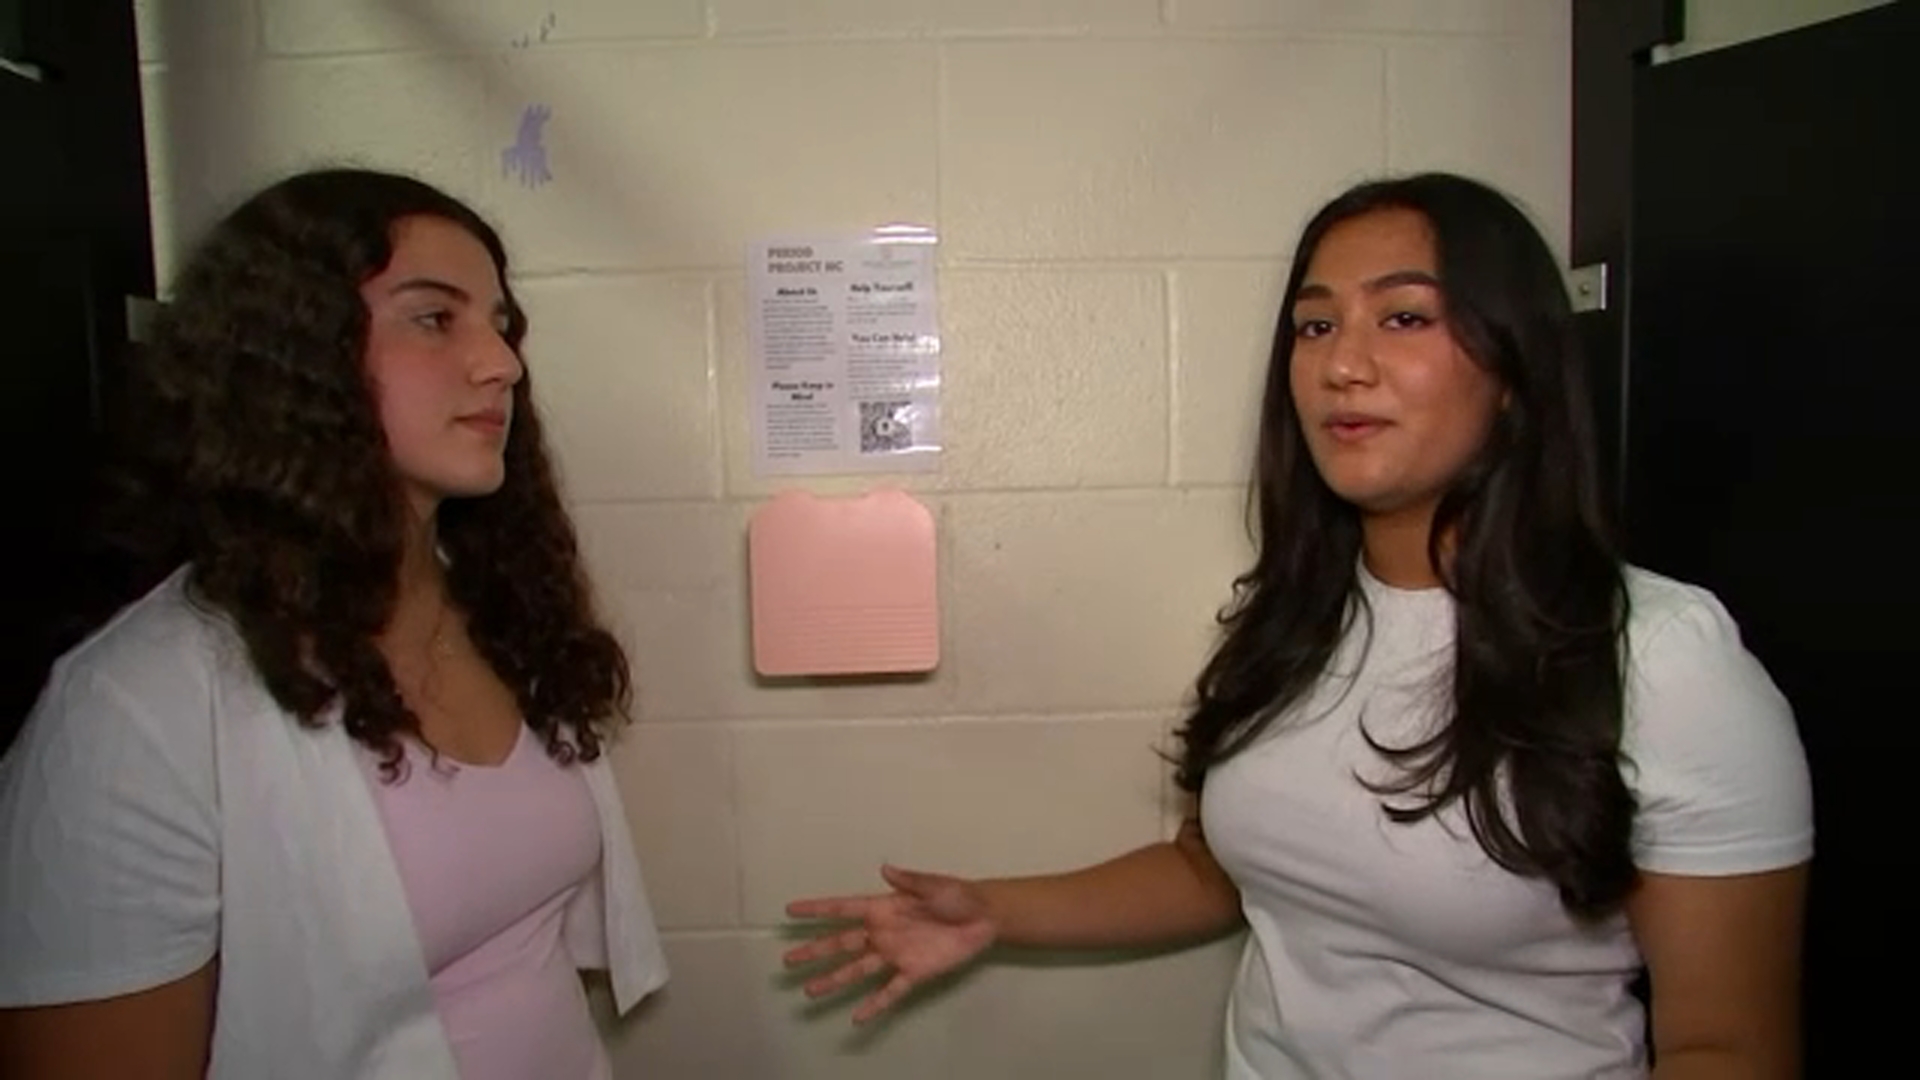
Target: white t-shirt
(1382, 951)
(159, 808)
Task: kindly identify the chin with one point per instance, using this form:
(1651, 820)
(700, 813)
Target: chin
(1361, 491)
(472, 487)
(1372, 500)
(481, 491)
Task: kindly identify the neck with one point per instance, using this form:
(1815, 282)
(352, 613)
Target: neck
(421, 577)
(1394, 546)
(420, 600)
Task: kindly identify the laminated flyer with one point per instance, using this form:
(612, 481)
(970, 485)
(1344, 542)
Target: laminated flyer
(845, 368)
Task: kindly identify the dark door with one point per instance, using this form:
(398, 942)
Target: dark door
(1772, 433)
(74, 245)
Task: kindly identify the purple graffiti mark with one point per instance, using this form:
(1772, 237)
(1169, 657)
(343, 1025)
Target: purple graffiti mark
(526, 159)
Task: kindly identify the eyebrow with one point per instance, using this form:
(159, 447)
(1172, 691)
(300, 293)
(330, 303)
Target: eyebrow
(445, 288)
(430, 285)
(1382, 283)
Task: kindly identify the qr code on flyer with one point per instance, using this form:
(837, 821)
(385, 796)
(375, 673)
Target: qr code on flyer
(884, 427)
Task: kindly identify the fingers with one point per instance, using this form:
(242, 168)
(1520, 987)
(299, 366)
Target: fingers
(832, 907)
(859, 907)
(856, 942)
(882, 999)
(850, 941)
(864, 968)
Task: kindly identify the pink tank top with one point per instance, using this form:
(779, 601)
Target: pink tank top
(490, 856)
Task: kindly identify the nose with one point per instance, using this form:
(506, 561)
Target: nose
(1350, 358)
(496, 361)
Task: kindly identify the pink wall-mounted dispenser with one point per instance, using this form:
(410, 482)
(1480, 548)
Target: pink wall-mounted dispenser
(844, 586)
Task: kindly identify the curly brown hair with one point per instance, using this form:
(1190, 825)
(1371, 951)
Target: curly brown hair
(264, 468)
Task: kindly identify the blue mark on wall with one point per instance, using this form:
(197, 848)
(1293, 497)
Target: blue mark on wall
(526, 159)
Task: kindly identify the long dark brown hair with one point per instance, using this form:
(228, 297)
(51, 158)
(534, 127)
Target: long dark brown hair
(1532, 746)
(261, 464)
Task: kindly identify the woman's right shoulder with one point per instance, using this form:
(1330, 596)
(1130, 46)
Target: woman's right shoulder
(110, 823)
(164, 648)
(167, 608)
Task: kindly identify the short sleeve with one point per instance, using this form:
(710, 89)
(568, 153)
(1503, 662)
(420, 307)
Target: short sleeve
(1713, 756)
(109, 836)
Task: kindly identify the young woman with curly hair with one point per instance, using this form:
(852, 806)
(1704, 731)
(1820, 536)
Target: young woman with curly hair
(332, 800)
(1461, 773)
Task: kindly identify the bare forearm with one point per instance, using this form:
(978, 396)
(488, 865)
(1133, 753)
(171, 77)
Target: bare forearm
(1713, 1063)
(1158, 895)
(158, 1034)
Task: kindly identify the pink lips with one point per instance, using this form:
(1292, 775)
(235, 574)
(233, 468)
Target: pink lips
(1353, 426)
(489, 421)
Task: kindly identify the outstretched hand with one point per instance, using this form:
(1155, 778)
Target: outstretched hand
(928, 925)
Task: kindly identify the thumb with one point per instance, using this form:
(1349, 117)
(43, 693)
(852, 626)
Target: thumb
(912, 882)
(946, 898)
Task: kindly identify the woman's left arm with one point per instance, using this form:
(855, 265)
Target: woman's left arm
(1723, 956)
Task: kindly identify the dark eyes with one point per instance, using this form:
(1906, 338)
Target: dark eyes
(442, 321)
(1399, 320)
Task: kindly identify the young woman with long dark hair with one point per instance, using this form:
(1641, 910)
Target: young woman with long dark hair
(332, 800)
(1461, 772)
